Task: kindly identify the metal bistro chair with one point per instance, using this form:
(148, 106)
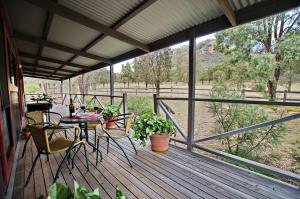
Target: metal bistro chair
(116, 133)
(37, 118)
(57, 145)
(93, 125)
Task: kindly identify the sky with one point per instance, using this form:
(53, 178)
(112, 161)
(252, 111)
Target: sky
(118, 66)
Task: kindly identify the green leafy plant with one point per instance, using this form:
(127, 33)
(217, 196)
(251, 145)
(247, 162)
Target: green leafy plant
(62, 191)
(140, 105)
(111, 111)
(150, 124)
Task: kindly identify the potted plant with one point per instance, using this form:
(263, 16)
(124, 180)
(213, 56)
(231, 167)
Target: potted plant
(110, 113)
(156, 128)
(26, 132)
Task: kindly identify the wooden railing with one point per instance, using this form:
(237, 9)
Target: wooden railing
(283, 95)
(159, 103)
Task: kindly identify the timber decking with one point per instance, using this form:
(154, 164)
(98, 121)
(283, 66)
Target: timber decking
(175, 174)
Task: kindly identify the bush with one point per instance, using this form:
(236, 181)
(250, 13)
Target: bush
(140, 105)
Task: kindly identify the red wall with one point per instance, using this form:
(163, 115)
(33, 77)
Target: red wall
(11, 100)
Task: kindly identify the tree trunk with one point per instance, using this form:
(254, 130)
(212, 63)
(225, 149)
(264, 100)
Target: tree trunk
(289, 85)
(128, 84)
(146, 84)
(157, 86)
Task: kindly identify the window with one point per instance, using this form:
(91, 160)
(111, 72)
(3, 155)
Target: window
(12, 68)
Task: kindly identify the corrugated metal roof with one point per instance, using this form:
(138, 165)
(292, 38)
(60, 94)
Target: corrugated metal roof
(166, 17)
(31, 21)
(27, 47)
(56, 54)
(49, 64)
(70, 33)
(110, 47)
(85, 61)
(27, 60)
(71, 68)
(239, 4)
(106, 12)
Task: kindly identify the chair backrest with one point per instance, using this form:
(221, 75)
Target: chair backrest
(129, 122)
(40, 137)
(37, 116)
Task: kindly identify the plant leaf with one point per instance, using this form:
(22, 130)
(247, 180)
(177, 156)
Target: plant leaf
(59, 191)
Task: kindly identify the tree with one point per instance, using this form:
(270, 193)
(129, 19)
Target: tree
(161, 65)
(241, 43)
(126, 73)
(137, 73)
(233, 116)
(99, 76)
(82, 84)
(180, 62)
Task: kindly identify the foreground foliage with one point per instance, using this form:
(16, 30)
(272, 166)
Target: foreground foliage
(62, 191)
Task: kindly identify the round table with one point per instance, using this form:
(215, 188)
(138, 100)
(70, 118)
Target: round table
(82, 122)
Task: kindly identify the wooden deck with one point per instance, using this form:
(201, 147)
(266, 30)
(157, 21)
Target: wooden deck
(175, 174)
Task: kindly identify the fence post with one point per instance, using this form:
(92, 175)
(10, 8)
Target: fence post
(285, 95)
(156, 105)
(111, 81)
(191, 94)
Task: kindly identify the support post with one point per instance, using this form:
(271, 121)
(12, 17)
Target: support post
(70, 88)
(111, 79)
(62, 91)
(83, 89)
(191, 90)
(156, 105)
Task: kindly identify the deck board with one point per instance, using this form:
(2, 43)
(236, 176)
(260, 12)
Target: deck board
(175, 174)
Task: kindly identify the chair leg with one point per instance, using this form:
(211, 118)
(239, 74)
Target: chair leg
(26, 142)
(107, 148)
(47, 157)
(121, 150)
(132, 145)
(60, 165)
(65, 134)
(86, 158)
(95, 140)
(32, 168)
(75, 153)
(98, 151)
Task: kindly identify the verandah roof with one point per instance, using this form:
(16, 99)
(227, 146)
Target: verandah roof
(61, 39)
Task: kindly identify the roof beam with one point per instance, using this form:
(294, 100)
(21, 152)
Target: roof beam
(26, 64)
(43, 42)
(45, 33)
(47, 59)
(228, 11)
(81, 19)
(41, 77)
(41, 72)
(134, 12)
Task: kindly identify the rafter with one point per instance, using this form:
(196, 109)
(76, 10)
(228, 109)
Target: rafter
(134, 12)
(26, 64)
(228, 11)
(41, 72)
(82, 19)
(43, 42)
(41, 76)
(47, 59)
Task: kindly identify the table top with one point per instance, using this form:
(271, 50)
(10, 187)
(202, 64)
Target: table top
(73, 120)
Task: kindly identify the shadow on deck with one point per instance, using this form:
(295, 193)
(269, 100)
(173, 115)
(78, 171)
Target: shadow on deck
(175, 174)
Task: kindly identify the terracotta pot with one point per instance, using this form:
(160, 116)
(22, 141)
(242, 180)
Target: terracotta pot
(110, 125)
(160, 142)
(26, 134)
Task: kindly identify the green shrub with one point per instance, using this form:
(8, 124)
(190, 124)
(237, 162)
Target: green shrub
(140, 105)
